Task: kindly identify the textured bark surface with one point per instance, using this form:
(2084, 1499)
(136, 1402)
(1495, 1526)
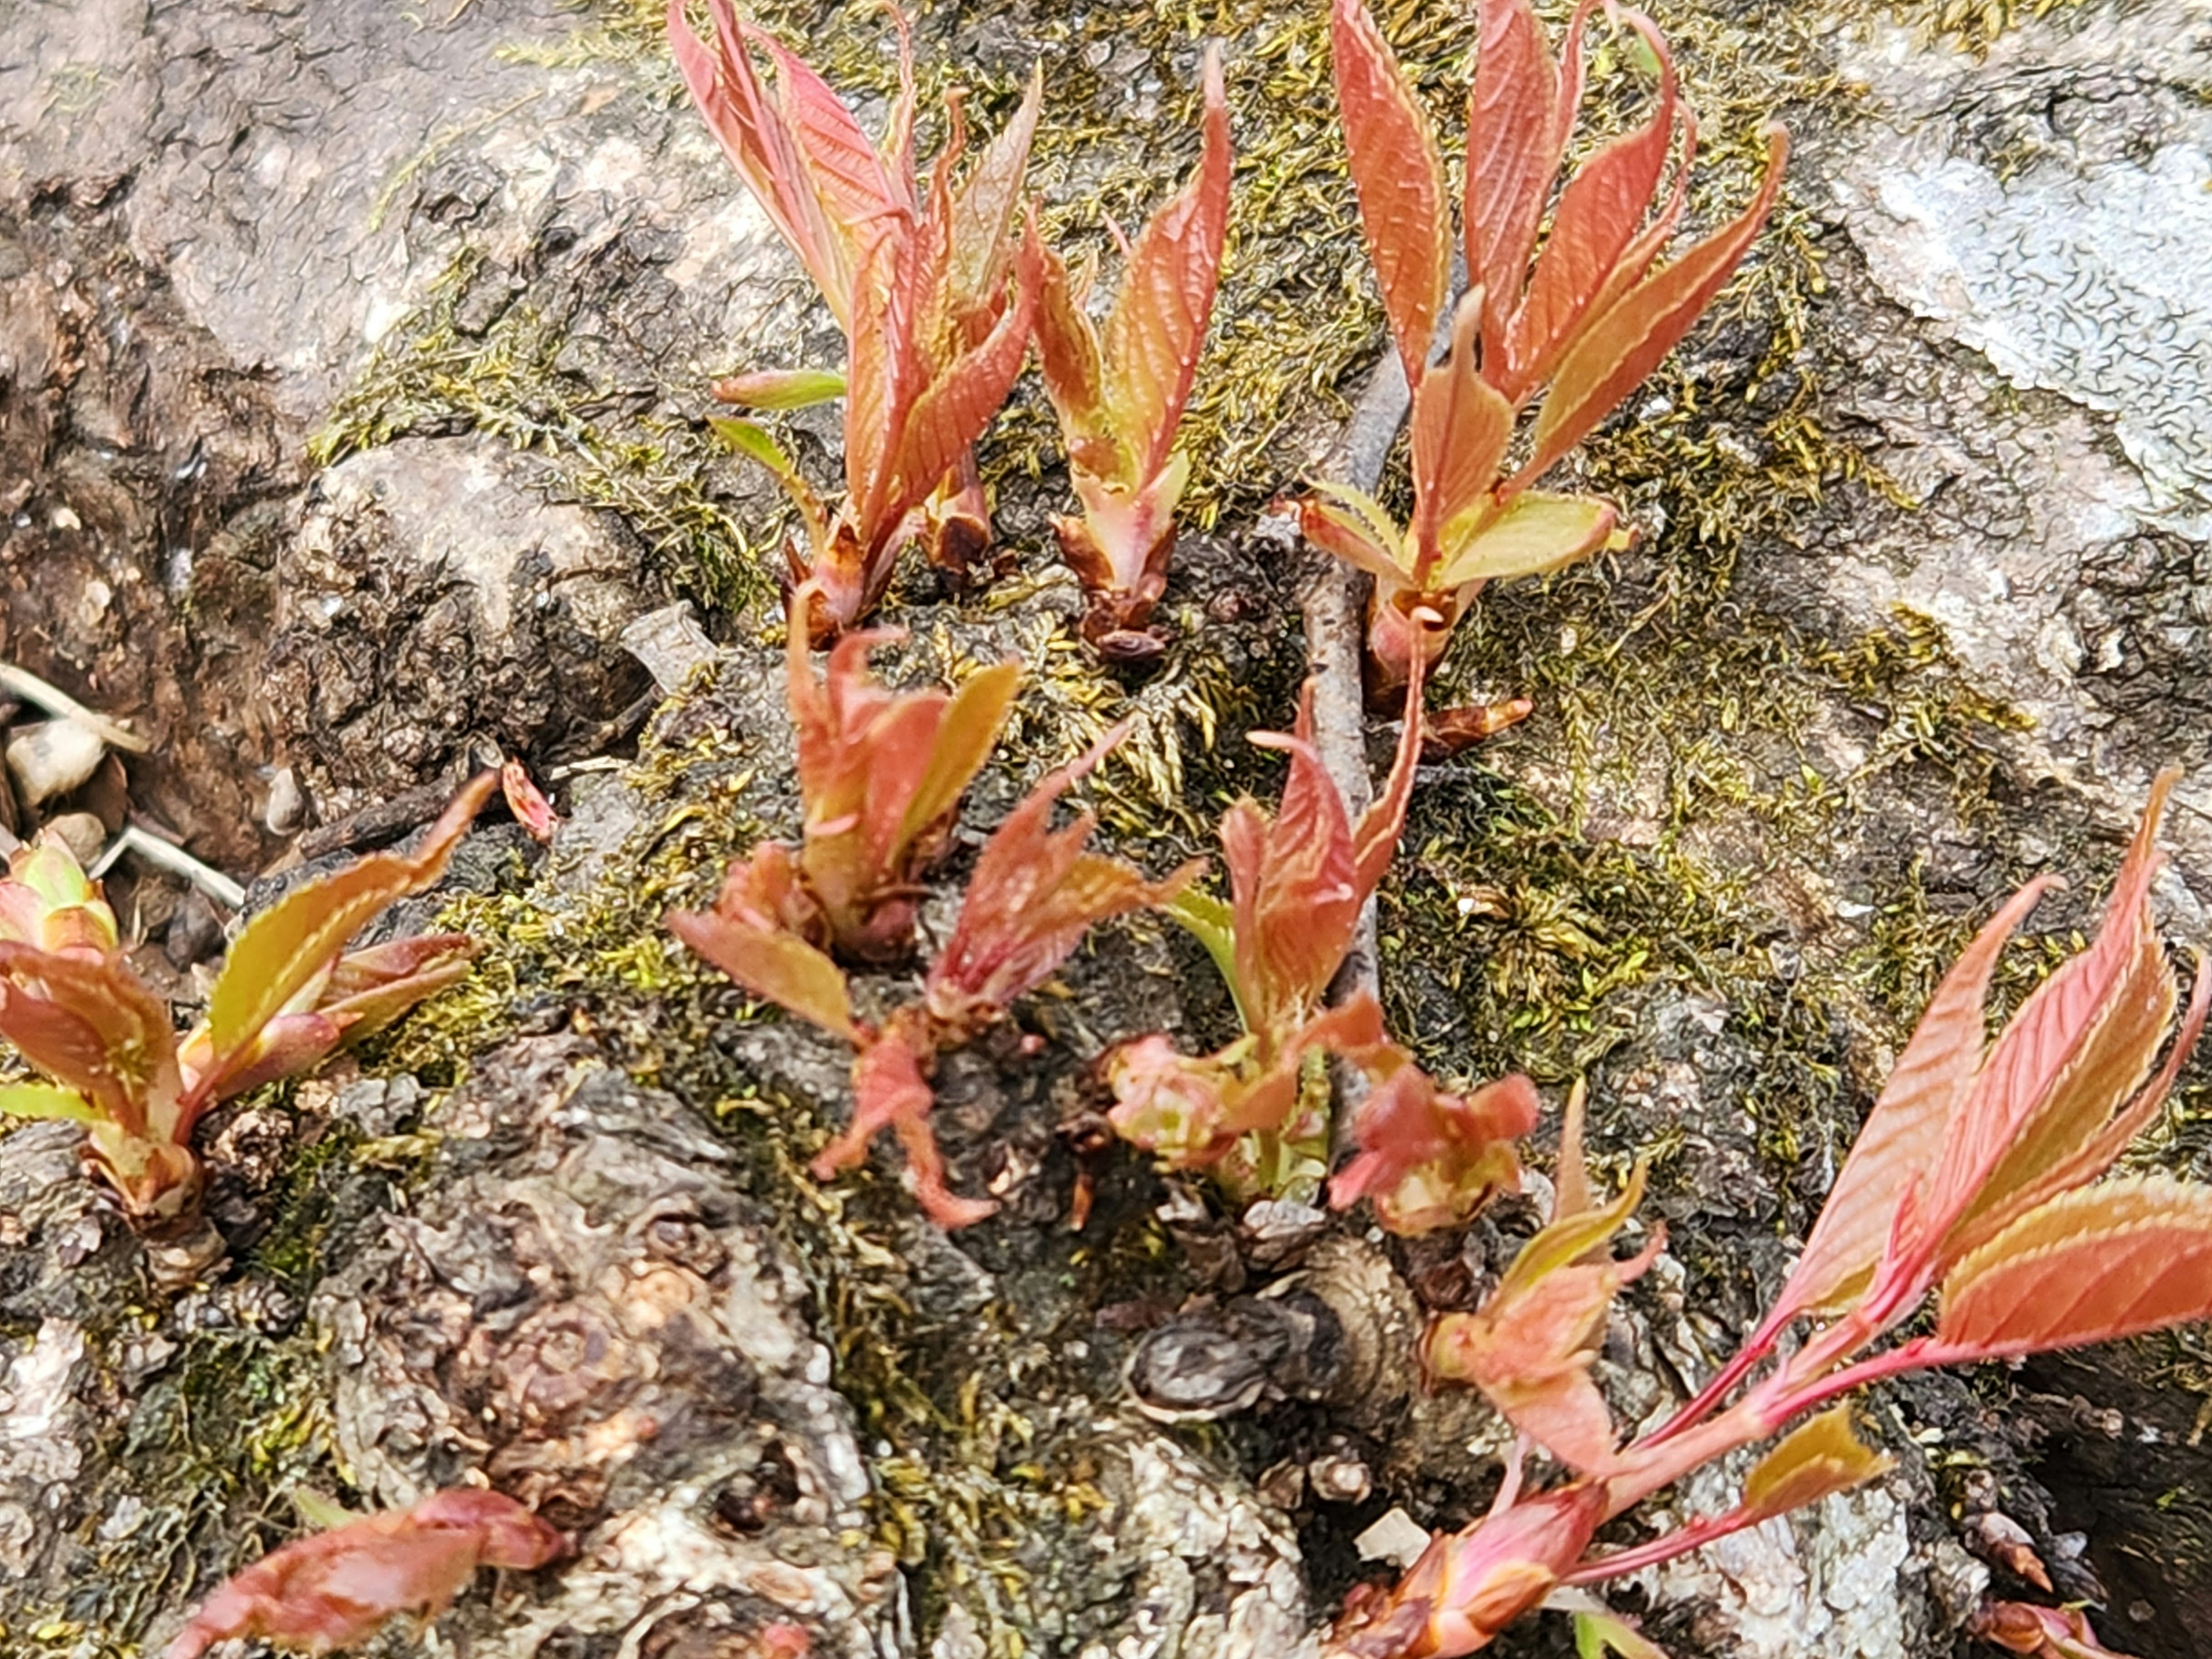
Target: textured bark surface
(351, 370)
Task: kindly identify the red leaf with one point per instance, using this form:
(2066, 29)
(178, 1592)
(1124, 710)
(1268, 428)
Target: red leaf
(1516, 127)
(90, 1023)
(335, 1589)
(2068, 1062)
(848, 174)
(300, 935)
(880, 774)
(1530, 1345)
(961, 395)
(1601, 210)
(2109, 1260)
(527, 801)
(1034, 893)
(745, 935)
(1904, 1133)
(1429, 1159)
(983, 206)
(1074, 374)
(1614, 353)
(1159, 321)
(890, 1092)
(760, 144)
(1460, 428)
(1400, 180)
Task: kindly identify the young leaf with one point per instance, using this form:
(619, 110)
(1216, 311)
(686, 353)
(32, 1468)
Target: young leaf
(44, 1100)
(983, 207)
(780, 389)
(880, 774)
(2104, 1261)
(335, 1589)
(1429, 1159)
(2068, 1061)
(91, 1024)
(1530, 1345)
(1460, 427)
(2039, 1633)
(1153, 334)
(1822, 1457)
(1904, 1132)
(1614, 353)
(1539, 531)
(1399, 178)
(1034, 893)
(1354, 525)
(760, 144)
(301, 934)
(1515, 131)
(745, 936)
(890, 1092)
(1599, 216)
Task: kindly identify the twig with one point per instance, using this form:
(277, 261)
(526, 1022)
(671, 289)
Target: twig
(1335, 599)
(174, 860)
(21, 682)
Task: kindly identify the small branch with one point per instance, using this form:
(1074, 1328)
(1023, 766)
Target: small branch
(1335, 601)
(174, 860)
(20, 682)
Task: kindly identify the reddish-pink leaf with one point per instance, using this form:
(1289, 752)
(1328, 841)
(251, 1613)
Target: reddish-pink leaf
(1530, 1345)
(1159, 321)
(748, 942)
(951, 411)
(527, 801)
(758, 140)
(2039, 1633)
(333, 1590)
(1515, 133)
(1400, 180)
(90, 1023)
(1460, 428)
(2072, 1056)
(1469, 1586)
(883, 373)
(1601, 211)
(1429, 1159)
(2109, 1260)
(1904, 1133)
(848, 174)
(1353, 525)
(1375, 838)
(879, 775)
(368, 989)
(890, 1092)
(983, 207)
(1034, 893)
(1614, 353)
(1074, 375)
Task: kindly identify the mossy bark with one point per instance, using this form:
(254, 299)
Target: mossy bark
(399, 327)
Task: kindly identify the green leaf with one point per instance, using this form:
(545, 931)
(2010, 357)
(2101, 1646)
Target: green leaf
(300, 936)
(44, 1100)
(779, 389)
(1212, 923)
(1539, 531)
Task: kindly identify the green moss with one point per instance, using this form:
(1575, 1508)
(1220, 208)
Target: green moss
(433, 375)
